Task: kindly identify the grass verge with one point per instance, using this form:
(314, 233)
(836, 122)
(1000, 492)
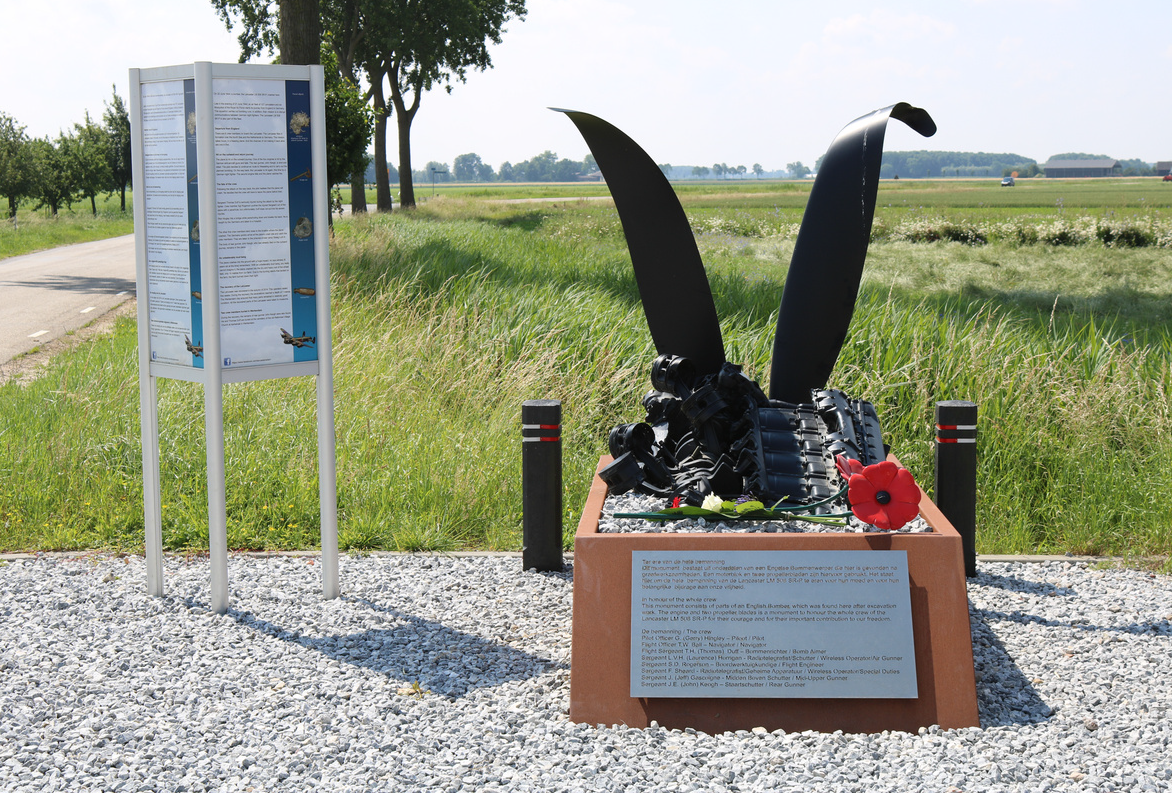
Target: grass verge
(36, 230)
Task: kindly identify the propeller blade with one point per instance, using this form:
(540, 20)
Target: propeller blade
(827, 264)
(673, 286)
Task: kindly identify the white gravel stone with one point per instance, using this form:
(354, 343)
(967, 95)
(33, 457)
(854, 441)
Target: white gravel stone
(449, 674)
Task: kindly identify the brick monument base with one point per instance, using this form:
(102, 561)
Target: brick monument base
(600, 678)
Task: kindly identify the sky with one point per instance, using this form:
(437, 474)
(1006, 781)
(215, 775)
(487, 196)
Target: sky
(694, 83)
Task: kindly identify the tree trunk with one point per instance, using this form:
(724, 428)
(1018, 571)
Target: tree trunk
(404, 116)
(300, 32)
(12, 206)
(406, 178)
(94, 205)
(382, 184)
(358, 191)
(123, 191)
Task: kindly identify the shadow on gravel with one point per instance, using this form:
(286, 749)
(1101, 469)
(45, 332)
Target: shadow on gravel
(440, 659)
(1005, 696)
(1015, 584)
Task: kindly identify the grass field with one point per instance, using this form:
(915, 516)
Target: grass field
(1035, 196)
(36, 230)
(447, 318)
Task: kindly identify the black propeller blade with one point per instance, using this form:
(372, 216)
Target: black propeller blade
(672, 283)
(827, 263)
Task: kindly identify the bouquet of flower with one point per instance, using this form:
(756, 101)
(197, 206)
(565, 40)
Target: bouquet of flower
(882, 495)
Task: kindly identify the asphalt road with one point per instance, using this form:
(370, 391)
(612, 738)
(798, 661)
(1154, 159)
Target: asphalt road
(45, 295)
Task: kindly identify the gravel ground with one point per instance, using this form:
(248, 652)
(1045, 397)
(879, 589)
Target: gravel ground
(441, 673)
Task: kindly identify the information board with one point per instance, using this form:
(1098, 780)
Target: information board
(171, 199)
(232, 264)
(822, 624)
(264, 219)
(260, 130)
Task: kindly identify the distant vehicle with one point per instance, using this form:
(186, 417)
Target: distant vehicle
(1008, 182)
(1168, 177)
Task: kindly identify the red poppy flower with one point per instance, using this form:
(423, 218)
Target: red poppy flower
(847, 466)
(884, 495)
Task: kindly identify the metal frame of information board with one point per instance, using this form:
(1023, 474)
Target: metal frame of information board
(213, 374)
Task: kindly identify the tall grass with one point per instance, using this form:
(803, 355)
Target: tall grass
(447, 319)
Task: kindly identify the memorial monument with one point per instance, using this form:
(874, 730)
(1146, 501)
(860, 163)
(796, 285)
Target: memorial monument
(859, 631)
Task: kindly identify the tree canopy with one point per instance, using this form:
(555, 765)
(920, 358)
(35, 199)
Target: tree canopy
(427, 43)
(470, 168)
(410, 45)
(16, 167)
(116, 121)
(348, 123)
(53, 177)
(934, 164)
(88, 160)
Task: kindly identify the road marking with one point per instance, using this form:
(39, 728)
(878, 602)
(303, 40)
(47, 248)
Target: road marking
(38, 333)
(88, 310)
(120, 294)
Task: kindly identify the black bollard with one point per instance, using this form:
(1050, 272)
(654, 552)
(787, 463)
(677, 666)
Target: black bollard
(956, 473)
(541, 484)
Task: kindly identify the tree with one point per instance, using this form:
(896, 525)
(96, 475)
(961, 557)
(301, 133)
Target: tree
(927, 164)
(1078, 155)
(537, 169)
(411, 45)
(291, 27)
(348, 123)
(741, 170)
(699, 171)
(666, 168)
(566, 170)
(16, 171)
(466, 167)
(1133, 167)
(470, 168)
(295, 27)
(430, 43)
(345, 34)
(758, 170)
(117, 127)
(299, 28)
(52, 176)
(506, 173)
(435, 172)
(87, 157)
(797, 170)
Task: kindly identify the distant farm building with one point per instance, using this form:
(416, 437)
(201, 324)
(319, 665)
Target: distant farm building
(1073, 169)
(1164, 167)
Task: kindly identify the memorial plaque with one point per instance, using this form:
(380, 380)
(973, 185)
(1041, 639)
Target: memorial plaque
(821, 624)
